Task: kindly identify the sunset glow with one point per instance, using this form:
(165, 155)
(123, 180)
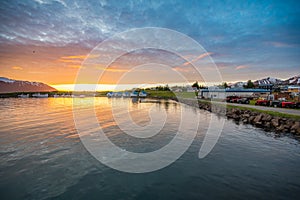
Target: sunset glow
(252, 41)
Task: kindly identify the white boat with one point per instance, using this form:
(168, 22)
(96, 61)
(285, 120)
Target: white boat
(126, 94)
(109, 94)
(81, 96)
(118, 94)
(56, 96)
(114, 94)
(23, 95)
(143, 94)
(38, 95)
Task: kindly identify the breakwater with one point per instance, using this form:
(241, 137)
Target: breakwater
(259, 119)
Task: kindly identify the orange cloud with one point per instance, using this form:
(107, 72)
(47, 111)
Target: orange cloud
(241, 67)
(76, 59)
(201, 56)
(17, 68)
(81, 57)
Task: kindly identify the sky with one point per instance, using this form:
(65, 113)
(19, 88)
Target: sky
(49, 40)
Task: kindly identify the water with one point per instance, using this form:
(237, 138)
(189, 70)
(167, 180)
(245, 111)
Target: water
(42, 156)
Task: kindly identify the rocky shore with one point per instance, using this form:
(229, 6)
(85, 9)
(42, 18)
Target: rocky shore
(258, 119)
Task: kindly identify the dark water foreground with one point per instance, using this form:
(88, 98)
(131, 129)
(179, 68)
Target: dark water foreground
(42, 157)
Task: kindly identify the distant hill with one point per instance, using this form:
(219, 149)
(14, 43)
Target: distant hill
(267, 81)
(293, 81)
(275, 81)
(9, 85)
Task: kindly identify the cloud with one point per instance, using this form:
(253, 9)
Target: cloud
(81, 57)
(75, 61)
(280, 44)
(198, 58)
(17, 68)
(241, 67)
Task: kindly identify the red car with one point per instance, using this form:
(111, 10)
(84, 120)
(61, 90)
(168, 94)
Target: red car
(234, 100)
(262, 103)
(287, 104)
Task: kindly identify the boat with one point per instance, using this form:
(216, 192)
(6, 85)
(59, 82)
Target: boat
(23, 95)
(38, 95)
(109, 94)
(143, 94)
(117, 94)
(134, 94)
(126, 94)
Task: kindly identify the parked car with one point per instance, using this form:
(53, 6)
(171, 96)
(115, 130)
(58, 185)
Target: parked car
(287, 104)
(262, 102)
(243, 100)
(229, 98)
(234, 100)
(275, 103)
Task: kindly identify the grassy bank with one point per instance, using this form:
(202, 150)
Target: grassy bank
(272, 113)
(191, 95)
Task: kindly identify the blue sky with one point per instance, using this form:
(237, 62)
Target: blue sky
(248, 39)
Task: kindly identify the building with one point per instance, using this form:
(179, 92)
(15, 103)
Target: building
(223, 93)
(294, 89)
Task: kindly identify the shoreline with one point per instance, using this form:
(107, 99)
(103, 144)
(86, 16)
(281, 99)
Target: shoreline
(276, 122)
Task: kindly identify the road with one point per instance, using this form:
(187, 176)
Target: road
(281, 110)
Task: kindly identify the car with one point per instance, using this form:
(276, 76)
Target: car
(234, 100)
(229, 98)
(275, 103)
(243, 100)
(262, 102)
(287, 104)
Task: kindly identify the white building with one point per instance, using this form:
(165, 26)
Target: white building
(223, 93)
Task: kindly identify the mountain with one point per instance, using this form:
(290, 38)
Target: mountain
(9, 85)
(268, 81)
(237, 84)
(293, 81)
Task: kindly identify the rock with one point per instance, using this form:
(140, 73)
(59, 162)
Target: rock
(296, 128)
(236, 117)
(275, 122)
(251, 119)
(280, 128)
(266, 117)
(257, 119)
(268, 125)
(246, 115)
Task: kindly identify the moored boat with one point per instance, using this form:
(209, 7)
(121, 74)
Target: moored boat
(143, 94)
(134, 94)
(38, 95)
(23, 95)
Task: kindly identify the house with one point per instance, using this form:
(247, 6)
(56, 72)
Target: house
(191, 89)
(294, 89)
(223, 93)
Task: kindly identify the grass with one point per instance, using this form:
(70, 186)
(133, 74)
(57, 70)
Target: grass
(170, 94)
(161, 94)
(272, 113)
(190, 95)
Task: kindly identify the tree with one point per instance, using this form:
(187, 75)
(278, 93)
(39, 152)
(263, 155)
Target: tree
(250, 84)
(225, 85)
(196, 85)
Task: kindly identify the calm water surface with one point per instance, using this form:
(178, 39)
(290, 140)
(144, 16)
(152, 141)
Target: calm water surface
(42, 156)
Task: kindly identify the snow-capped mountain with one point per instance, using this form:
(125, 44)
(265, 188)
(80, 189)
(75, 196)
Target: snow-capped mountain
(269, 80)
(237, 84)
(9, 85)
(293, 80)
